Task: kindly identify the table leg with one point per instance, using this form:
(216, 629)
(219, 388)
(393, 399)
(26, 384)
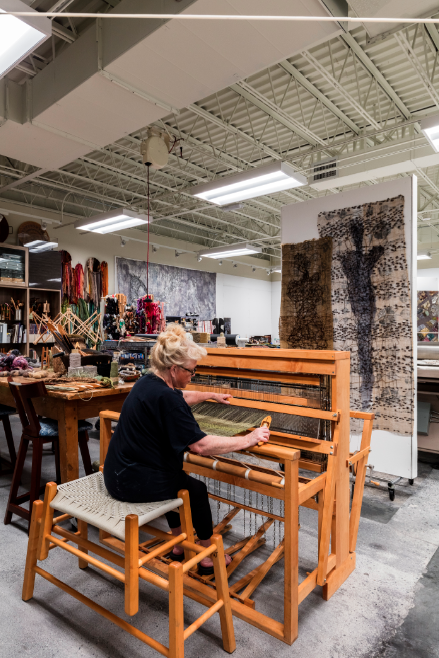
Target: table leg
(68, 440)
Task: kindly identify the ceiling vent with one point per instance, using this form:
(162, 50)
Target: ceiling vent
(323, 170)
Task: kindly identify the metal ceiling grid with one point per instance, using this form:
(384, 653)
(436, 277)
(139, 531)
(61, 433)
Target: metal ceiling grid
(316, 105)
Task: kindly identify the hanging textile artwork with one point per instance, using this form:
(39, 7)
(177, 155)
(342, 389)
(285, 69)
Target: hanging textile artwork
(104, 278)
(66, 275)
(427, 316)
(371, 309)
(93, 281)
(305, 315)
(182, 290)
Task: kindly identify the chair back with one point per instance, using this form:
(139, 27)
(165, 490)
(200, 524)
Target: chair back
(23, 394)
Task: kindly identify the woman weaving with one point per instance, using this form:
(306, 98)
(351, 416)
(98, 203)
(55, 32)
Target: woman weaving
(145, 457)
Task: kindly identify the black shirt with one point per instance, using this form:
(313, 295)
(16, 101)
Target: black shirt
(155, 427)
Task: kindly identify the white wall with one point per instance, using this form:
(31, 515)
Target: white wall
(246, 301)
(428, 279)
(391, 453)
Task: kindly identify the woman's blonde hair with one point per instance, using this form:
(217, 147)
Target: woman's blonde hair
(174, 348)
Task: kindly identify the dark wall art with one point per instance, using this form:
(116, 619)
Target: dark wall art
(427, 316)
(372, 310)
(180, 289)
(305, 316)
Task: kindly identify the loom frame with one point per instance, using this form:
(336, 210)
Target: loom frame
(328, 493)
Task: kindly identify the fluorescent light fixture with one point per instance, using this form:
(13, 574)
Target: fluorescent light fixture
(115, 220)
(424, 255)
(425, 219)
(20, 36)
(430, 128)
(38, 246)
(34, 243)
(231, 251)
(274, 177)
(277, 270)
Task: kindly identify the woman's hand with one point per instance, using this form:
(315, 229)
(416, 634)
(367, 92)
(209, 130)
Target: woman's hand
(221, 397)
(260, 434)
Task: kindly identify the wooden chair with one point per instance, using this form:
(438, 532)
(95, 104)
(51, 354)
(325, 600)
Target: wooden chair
(88, 500)
(37, 431)
(5, 412)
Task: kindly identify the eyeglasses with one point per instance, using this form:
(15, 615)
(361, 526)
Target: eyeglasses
(187, 370)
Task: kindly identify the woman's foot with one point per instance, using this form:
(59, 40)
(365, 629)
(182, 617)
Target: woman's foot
(176, 554)
(205, 567)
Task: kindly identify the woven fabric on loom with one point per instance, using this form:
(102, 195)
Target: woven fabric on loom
(226, 420)
(306, 317)
(372, 310)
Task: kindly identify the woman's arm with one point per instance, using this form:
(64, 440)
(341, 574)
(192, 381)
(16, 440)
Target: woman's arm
(220, 445)
(194, 397)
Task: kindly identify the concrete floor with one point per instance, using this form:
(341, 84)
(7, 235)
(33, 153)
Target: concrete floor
(388, 608)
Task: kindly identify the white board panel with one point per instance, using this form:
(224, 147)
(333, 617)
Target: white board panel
(392, 453)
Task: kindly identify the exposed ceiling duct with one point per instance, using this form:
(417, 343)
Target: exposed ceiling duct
(121, 75)
(393, 8)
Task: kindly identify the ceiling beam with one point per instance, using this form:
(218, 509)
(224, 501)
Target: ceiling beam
(196, 109)
(376, 73)
(24, 179)
(340, 89)
(406, 47)
(301, 79)
(270, 108)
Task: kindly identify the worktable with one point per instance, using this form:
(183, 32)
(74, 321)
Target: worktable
(67, 408)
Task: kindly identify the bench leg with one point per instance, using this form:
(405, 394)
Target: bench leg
(225, 613)
(186, 521)
(131, 564)
(176, 621)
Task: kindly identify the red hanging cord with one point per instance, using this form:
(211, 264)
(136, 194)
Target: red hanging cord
(147, 255)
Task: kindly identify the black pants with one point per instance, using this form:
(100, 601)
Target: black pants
(136, 483)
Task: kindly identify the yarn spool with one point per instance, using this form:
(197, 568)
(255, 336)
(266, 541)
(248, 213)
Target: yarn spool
(90, 371)
(75, 360)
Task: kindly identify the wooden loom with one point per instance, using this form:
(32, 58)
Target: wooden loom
(328, 493)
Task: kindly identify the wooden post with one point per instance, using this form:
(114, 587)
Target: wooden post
(105, 436)
(291, 525)
(176, 620)
(131, 564)
(32, 549)
(325, 533)
(225, 613)
(186, 521)
(46, 521)
(359, 485)
(340, 535)
(68, 440)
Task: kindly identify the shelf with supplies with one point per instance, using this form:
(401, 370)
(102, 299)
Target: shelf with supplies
(13, 317)
(19, 292)
(14, 265)
(42, 300)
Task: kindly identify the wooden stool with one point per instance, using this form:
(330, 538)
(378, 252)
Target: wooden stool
(88, 500)
(38, 432)
(5, 412)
